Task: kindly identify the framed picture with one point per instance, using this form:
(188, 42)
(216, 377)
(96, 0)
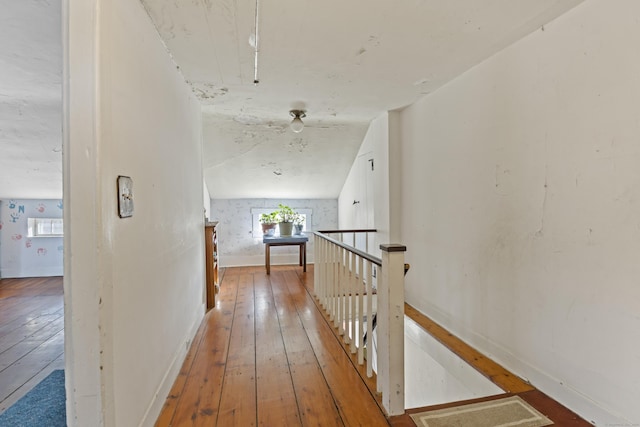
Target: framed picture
(125, 196)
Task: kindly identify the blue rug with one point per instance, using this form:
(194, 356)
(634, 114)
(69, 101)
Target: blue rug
(44, 405)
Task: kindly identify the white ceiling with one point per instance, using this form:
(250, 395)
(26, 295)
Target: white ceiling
(344, 62)
(30, 99)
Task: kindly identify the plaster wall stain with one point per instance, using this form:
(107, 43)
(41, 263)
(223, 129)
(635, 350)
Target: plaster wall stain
(207, 91)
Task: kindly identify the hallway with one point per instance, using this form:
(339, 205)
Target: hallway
(266, 356)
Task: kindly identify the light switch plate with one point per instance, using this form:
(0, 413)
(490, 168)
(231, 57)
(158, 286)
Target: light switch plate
(125, 196)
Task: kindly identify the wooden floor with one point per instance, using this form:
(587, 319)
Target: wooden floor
(266, 355)
(31, 334)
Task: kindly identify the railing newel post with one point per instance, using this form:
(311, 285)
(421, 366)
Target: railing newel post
(390, 323)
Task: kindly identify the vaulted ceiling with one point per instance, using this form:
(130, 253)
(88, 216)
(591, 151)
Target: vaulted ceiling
(344, 62)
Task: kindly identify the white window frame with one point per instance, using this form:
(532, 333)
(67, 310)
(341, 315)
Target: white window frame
(45, 227)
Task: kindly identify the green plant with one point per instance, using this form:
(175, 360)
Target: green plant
(298, 219)
(270, 218)
(285, 213)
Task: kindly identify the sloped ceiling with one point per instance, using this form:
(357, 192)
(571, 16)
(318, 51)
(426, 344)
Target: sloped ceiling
(344, 62)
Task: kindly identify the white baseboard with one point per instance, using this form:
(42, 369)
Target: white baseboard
(155, 407)
(567, 396)
(251, 260)
(11, 273)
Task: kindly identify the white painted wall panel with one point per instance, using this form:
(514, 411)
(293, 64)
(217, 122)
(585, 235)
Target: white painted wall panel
(520, 202)
(375, 145)
(151, 131)
(142, 277)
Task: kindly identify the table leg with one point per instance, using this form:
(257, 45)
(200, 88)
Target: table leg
(300, 250)
(267, 258)
(304, 256)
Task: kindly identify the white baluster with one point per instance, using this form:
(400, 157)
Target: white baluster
(360, 289)
(369, 319)
(352, 298)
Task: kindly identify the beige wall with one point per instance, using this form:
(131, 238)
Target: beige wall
(521, 208)
(133, 286)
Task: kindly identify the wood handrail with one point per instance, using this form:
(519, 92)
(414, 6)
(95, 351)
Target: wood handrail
(357, 230)
(377, 261)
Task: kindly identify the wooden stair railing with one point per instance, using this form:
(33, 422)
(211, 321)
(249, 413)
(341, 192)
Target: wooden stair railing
(354, 288)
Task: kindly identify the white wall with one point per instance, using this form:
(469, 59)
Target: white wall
(24, 256)
(238, 246)
(377, 207)
(133, 286)
(520, 208)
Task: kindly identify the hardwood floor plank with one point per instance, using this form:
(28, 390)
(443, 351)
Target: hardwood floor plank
(560, 415)
(345, 382)
(31, 334)
(169, 407)
(276, 400)
(30, 343)
(306, 279)
(16, 375)
(26, 387)
(37, 330)
(23, 309)
(315, 401)
(45, 314)
(240, 375)
(304, 373)
(198, 405)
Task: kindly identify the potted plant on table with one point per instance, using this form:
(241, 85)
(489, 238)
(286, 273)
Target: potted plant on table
(269, 222)
(286, 215)
(298, 223)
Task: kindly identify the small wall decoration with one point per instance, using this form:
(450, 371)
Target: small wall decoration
(125, 196)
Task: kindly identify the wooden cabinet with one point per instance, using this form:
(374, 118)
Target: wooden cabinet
(211, 258)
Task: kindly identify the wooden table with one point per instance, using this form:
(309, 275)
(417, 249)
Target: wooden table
(300, 240)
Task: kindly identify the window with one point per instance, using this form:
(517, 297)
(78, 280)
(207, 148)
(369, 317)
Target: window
(255, 219)
(44, 227)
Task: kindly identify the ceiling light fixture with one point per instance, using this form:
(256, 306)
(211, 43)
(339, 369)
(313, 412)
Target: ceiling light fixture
(297, 124)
